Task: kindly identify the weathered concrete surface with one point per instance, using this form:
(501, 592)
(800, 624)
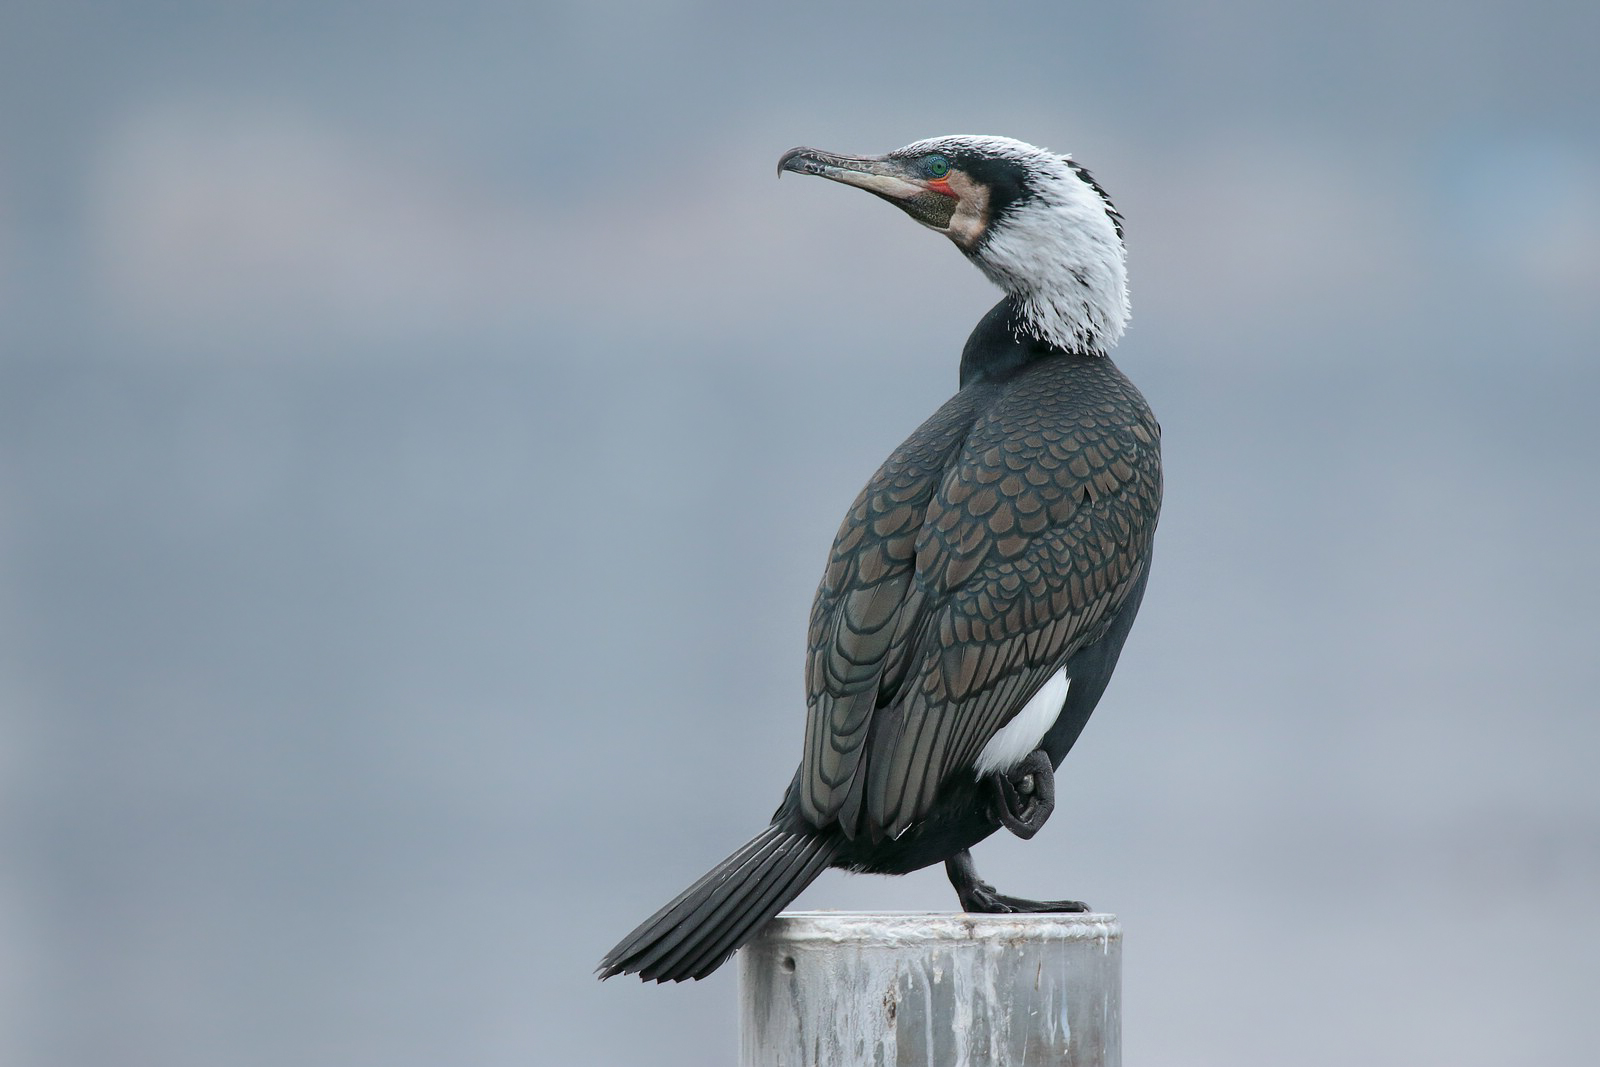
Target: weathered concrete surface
(841, 989)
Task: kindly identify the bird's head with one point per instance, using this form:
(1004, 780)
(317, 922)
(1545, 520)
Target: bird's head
(1035, 222)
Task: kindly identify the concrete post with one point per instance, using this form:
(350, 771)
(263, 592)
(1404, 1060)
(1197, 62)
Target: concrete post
(841, 989)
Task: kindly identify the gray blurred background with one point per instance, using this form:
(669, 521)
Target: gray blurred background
(421, 433)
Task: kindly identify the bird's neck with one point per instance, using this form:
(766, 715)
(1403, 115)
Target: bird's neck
(1062, 263)
(1064, 322)
(1003, 343)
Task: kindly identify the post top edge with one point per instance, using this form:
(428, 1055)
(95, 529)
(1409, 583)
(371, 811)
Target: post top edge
(927, 926)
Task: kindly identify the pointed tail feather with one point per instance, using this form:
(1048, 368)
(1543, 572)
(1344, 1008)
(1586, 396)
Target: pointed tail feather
(706, 923)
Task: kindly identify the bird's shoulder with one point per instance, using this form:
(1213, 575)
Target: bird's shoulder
(1065, 459)
(1038, 493)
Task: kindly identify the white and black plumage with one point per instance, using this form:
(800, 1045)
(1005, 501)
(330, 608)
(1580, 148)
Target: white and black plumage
(981, 587)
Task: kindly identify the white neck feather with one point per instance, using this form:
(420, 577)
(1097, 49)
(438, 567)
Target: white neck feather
(1059, 253)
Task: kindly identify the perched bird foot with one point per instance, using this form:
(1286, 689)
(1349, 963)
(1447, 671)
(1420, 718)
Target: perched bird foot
(988, 902)
(1023, 797)
(979, 897)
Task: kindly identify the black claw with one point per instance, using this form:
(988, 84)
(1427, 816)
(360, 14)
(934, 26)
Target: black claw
(980, 898)
(1000, 904)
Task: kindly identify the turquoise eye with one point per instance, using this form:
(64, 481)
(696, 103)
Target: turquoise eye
(936, 166)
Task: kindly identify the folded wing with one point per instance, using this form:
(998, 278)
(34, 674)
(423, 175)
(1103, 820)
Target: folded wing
(998, 540)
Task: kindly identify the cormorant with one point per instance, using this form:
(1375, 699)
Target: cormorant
(982, 584)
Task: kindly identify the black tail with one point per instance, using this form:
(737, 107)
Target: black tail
(693, 935)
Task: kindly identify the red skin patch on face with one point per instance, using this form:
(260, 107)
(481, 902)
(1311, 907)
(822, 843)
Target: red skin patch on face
(942, 186)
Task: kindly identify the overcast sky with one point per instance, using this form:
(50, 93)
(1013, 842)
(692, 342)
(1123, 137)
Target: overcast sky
(421, 432)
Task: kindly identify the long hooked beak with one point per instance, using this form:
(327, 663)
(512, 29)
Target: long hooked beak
(888, 178)
(930, 203)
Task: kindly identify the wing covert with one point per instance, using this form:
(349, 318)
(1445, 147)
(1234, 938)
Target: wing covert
(926, 642)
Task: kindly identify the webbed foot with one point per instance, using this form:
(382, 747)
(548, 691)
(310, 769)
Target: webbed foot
(979, 897)
(1023, 797)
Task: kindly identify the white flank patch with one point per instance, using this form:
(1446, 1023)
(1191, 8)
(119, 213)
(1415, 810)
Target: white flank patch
(1012, 743)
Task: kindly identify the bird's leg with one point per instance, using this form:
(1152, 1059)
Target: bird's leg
(1023, 797)
(979, 896)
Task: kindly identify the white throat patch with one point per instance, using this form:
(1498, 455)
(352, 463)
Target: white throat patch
(1067, 266)
(1057, 249)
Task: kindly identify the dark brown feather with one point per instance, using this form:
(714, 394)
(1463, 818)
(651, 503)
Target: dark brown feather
(997, 541)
